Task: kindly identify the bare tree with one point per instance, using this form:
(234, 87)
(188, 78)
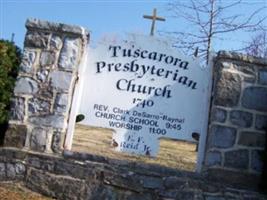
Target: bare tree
(258, 45)
(208, 20)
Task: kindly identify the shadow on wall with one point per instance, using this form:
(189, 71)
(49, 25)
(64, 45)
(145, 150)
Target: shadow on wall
(3, 129)
(263, 183)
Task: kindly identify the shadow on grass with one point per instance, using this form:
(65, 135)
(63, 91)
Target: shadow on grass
(172, 154)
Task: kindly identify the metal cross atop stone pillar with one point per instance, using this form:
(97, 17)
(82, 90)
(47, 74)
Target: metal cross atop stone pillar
(153, 18)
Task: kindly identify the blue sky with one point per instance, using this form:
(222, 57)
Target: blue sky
(100, 17)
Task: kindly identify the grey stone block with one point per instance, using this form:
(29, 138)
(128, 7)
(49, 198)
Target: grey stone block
(10, 171)
(257, 160)
(69, 55)
(213, 158)
(174, 182)
(188, 195)
(253, 196)
(228, 89)
(34, 162)
(39, 161)
(252, 139)
(55, 42)
(263, 77)
(16, 136)
(38, 106)
(20, 169)
(47, 58)
(84, 156)
(97, 191)
(222, 136)
(13, 153)
(217, 197)
(56, 142)
(235, 178)
(61, 102)
(261, 122)
(46, 91)
(42, 75)
(218, 115)
(17, 111)
(168, 194)
(203, 185)
(255, 98)
(33, 23)
(38, 139)
(25, 85)
(28, 60)
(15, 171)
(241, 118)
(247, 70)
(36, 39)
(238, 159)
(2, 171)
(61, 80)
(71, 169)
(55, 186)
(122, 179)
(242, 57)
(135, 196)
(225, 64)
(152, 182)
(55, 121)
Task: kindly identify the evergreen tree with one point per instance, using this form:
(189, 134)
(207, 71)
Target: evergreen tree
(10, 57)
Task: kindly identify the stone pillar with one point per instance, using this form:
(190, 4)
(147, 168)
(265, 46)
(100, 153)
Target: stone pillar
(238, 115)
(45, 85)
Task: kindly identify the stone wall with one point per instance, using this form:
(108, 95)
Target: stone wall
(73, 176)
(238, 115)
(44, 88)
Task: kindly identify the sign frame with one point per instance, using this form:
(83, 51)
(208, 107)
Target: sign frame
(77, 100)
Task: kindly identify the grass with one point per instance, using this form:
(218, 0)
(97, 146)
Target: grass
(174, 154)
(16, 191)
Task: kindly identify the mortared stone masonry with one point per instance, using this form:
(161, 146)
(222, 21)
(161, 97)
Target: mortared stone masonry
(45, 85)
(238, 116)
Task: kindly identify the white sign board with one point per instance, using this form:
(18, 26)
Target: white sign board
(144, 90)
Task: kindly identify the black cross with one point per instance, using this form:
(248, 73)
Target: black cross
(153, 18)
